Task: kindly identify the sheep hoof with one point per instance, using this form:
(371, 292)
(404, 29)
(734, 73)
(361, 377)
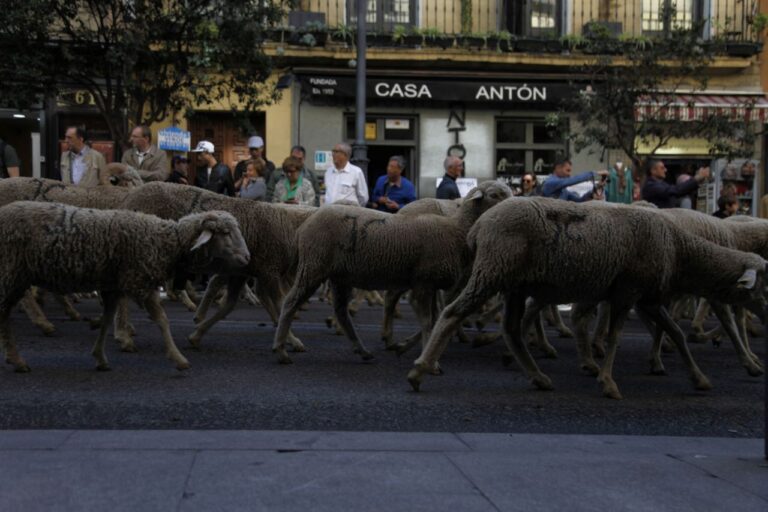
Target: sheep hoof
(590, 368)
(367, 356)
(21, 367)
(48, 329)
(612, 393)
(401, 348)
(658, 369)
(437, 371)
(282, 357)
(481, 340)
(550, 353)
(542, 382)
(298, 348)
(507, 359)
(194, 341)
(414, 378)
(183, 365)
(103, 367)
(566, 333)
(598, 350)
(128, 347)
(754, 370)
(702, 383)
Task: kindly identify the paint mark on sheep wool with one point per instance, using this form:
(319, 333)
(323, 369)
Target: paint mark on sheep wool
(42, 192)
(562, 224)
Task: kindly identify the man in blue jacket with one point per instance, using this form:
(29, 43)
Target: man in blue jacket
(393, 190)
(556, 186)
(663, 194)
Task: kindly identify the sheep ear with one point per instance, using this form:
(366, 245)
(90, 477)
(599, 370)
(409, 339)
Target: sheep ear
(204, 237)
(475, 193)
(748, 279)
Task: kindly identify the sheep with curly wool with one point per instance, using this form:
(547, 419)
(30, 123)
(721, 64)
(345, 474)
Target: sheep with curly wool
(360, 248)
(269, 231)
(557, 251)
(68, 249)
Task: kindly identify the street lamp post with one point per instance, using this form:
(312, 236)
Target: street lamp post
(359, 149)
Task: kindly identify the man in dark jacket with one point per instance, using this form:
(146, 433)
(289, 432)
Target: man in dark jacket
(213, 175)
(663, 194)
(448, 189)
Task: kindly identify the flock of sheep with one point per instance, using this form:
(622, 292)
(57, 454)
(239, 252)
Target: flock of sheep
(126, 239)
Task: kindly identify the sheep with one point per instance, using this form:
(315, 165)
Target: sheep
(269, 231)
(113, 187)
(358, 248)
(445, 207)
(556, 252)
(68, 249)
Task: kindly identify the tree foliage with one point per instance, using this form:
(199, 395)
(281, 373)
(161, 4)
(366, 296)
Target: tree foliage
(141, 60)
(622, 74)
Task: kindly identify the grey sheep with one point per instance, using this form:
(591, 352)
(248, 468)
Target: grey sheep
(269, 232)
(556, 252)
(359, 248)
(68, 249)
(446, 207)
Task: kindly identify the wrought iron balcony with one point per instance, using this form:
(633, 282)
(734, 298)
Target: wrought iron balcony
(728, 21)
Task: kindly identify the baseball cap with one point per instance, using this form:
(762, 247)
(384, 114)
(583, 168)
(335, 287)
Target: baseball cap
(203, 146)
(255, 142)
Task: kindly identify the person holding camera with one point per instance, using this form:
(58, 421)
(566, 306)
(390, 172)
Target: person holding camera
(665, 195)
(556, 186)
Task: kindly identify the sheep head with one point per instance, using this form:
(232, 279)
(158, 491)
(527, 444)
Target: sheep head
(121, 175)
(219, 244)
(486, 195)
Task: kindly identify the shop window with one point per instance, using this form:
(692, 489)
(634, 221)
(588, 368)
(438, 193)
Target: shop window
(526, 145)
(383, 15)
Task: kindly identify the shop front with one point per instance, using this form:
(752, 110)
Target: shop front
(496, 124)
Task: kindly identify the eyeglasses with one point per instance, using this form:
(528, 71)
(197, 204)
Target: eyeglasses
(527, 181)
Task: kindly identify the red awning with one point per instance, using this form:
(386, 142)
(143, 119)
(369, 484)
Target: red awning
(693, 107)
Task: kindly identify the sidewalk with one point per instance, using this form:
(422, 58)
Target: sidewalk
(84, 470)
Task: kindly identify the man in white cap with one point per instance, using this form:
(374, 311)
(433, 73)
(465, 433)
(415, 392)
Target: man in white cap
(255, 150)
(212, 175)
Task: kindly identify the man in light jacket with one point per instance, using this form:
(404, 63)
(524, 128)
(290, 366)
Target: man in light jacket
(149, 160)
(81, 165)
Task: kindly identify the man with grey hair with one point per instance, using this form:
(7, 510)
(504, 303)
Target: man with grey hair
(392, 190)
(448, 189)
(344, 181)
(150, 161)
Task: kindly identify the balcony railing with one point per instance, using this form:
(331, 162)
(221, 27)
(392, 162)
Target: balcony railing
(729, 20)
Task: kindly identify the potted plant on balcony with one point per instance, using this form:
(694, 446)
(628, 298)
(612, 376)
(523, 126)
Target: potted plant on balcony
(402, 36)
(313, 33)
(344, 34)
(472, 41)
(572, 42)
(433, 37)
(499, 41)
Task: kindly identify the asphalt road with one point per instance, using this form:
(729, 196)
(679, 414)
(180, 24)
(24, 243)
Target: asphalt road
(235, 383)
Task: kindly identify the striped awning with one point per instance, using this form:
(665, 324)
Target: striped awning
(694, 107)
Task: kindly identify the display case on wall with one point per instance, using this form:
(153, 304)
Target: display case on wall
(739, 178)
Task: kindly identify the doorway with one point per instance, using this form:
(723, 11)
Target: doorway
(378, 158)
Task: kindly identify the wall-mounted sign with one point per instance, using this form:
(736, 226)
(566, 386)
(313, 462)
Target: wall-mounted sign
(397, 124)
(174, 139)
(370, 131)
(328, 88)
(75, 98)
(323, 160)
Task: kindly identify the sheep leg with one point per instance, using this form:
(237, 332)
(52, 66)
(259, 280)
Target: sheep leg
(191, 292)
(489, 315)
(512, 328)
(423, 302)
(659, 315)
(214, 285)
(69, 308)
(157, 314)
(234, 285)
(124, 331)
(109, 307)
(725, 315)
(657, 366)
(471, 298)
(32, 309)
(532, 317)
(618, 315)
(7, 342)
(563, 330)
(581, 315)
(341, 298)
(742, 320)
(301, 291)
(601, 329)
(270, 292)
(391, 298)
